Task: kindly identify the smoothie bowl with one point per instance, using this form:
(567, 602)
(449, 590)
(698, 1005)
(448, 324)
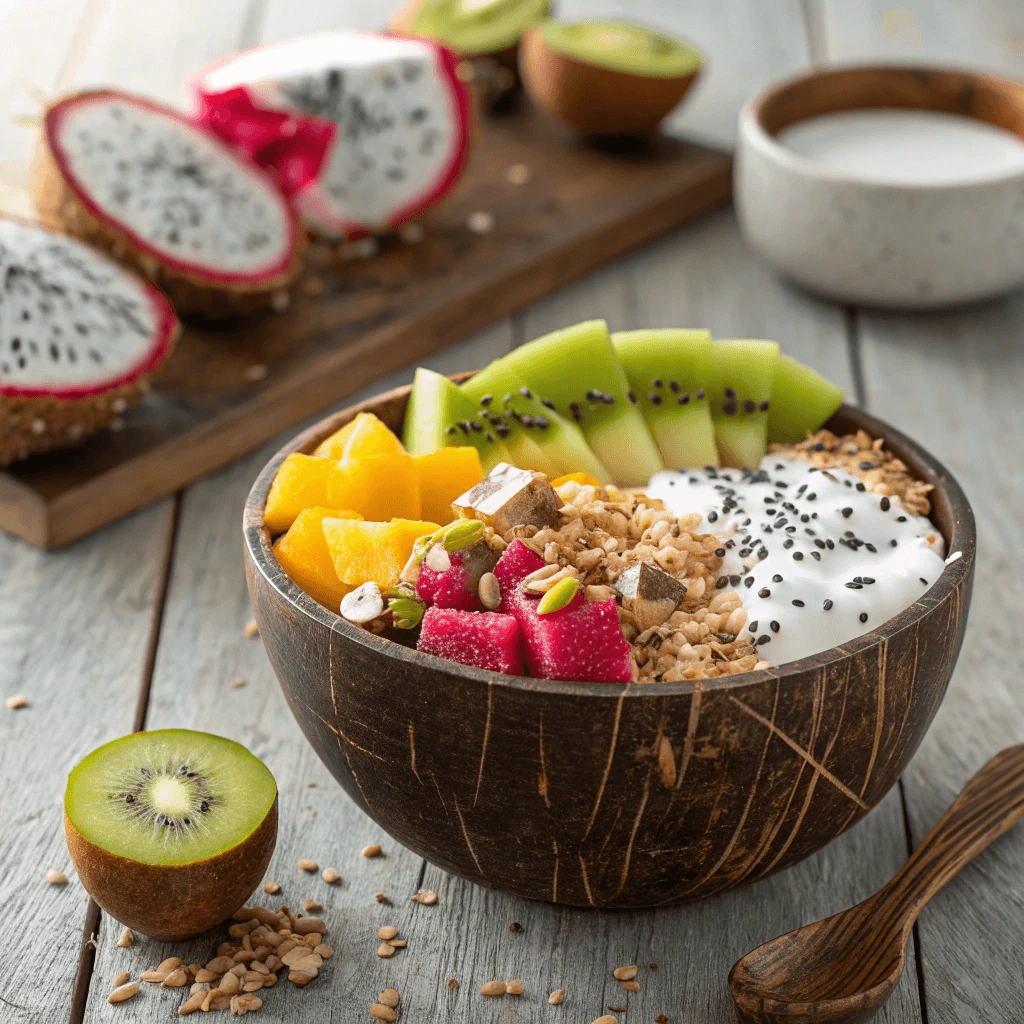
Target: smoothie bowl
(694, 759)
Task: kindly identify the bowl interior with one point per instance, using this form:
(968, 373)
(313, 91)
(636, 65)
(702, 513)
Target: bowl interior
(997, 101)
(951, 513)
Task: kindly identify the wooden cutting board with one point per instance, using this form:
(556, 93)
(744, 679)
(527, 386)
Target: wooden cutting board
(583, 206)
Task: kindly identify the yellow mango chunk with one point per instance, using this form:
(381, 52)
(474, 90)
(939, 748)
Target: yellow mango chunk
(577, 478)
(363, 552)
(363, 436)
(444, 475)
(302, 482)
(304, 555)
(378, 487)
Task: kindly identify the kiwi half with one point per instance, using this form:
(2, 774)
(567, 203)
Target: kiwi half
(171, 831)
(606, 77)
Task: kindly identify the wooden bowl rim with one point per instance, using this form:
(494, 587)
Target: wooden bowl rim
(962, 538)
(755, 130)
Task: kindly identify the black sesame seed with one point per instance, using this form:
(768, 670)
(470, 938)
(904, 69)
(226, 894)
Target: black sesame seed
(847, 512)
(720, 552)
(867, 579)
(798, 556)
(892, 543)
(811, 496)
(753, 626)
(764, 592)
(721, 582)
(777, 578)
(762, 640)
(853, 586)
(797, 603)
(885, 503)
(712, 516)
(863, 616)
(872, 548)
(748, 582)
(827, 605)
(789, 543)
(901, 519)
(861, 487)
(923, 580)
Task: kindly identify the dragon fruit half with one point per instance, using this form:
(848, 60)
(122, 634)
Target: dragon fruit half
(79, 335)
(365, 131)
(168, 197)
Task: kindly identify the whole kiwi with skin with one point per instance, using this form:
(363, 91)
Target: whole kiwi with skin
(606, 78)
(171, 831)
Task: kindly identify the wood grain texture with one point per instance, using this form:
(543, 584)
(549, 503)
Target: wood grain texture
(583, 207)
(816, 742)
(842, 970)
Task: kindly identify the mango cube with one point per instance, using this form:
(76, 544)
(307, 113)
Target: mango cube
(378, 487)
(304, 555)
(444, 474)
(363, 552)
(302, 482)
(365, 435)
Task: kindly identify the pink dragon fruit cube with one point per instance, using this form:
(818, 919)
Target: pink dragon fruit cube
(484, 639)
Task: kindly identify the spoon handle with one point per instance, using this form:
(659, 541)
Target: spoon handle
(989, 805)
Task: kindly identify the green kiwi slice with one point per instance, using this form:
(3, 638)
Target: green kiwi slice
(472, 27)
(171, 830)
(802, 400)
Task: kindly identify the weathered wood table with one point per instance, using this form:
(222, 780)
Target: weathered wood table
(141, 625)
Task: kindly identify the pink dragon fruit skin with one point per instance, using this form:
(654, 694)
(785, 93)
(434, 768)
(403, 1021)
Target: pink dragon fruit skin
(583, 643)
(483, 639)
(452, 588)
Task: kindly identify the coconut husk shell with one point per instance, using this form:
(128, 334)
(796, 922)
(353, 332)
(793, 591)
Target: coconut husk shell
(59, 205)
(592, 99)
(173, 902)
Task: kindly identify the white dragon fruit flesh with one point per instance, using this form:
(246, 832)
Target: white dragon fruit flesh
(365, 131)
(79, 334)
(167, 195)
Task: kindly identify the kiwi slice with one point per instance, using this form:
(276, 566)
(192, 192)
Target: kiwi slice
(471, 27)
(669, 371)
(606, 77)
(171, 831)
(740, 395)
(801, 401)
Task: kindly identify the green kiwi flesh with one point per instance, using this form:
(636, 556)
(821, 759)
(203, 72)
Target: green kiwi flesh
(575, 372)
(474, 27)
(511, 407)
(440, 415)
(742, 375)
(801, 401)
(171, 831)
(669, 371)
(623, 46)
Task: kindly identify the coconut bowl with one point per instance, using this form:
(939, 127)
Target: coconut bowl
(611, 795)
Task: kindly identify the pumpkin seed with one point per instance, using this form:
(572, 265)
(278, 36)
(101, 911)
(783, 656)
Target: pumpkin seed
(461, 534)
(558, 596)
(405, 612)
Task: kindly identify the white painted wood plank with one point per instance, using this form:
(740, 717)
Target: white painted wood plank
(74, 631)
(201, 649)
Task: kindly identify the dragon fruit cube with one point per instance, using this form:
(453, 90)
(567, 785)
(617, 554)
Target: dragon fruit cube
(516, 563)
(482, 639)
(452, 579)
(582, 642)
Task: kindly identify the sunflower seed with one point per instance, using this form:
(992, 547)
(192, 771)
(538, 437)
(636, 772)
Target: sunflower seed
(55, 877)
(123, 992)
(493, 988)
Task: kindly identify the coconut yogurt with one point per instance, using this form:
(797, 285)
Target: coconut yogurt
(816, 557)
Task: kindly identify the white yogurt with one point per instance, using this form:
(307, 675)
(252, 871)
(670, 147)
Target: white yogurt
(907, 147)
(816, 558)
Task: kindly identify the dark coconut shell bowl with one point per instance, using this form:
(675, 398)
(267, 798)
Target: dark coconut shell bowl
(612, 795)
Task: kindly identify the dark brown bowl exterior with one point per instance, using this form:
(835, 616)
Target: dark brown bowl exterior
(612, 795)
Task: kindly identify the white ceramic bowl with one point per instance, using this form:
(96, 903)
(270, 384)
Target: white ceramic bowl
(900, 245)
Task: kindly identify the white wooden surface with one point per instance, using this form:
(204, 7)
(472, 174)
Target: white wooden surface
(141, 624)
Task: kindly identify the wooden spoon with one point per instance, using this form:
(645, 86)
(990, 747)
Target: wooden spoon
(841, 970)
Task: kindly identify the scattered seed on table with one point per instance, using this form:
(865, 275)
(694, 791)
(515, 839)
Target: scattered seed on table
(515, 988)
(399, 943)
(493, 988)
(661, 1019)
(557, 997)
(123, 978)
(55, 877)
(481, 222)
(616, 1009)
(453, 983)
(330, 876)
(606, 1019)
(324, 952)
(176, 979)
(126, 938)
(653, 966)
(385, 950)
(386, 932)
(625, 973)
(518, 174)
(271, 888)
(428, 898)
(123, 992)
(381, 898)
(514, 927)
(311, 906)
(19, 700)
(373, 850)
(307, 865)
(389, 997)
(251, 629)
(237, 682)
(631, 986)
(378, 1011)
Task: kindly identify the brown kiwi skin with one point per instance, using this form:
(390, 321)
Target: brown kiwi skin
(172, 902)
(595, 100)
(60, 208)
